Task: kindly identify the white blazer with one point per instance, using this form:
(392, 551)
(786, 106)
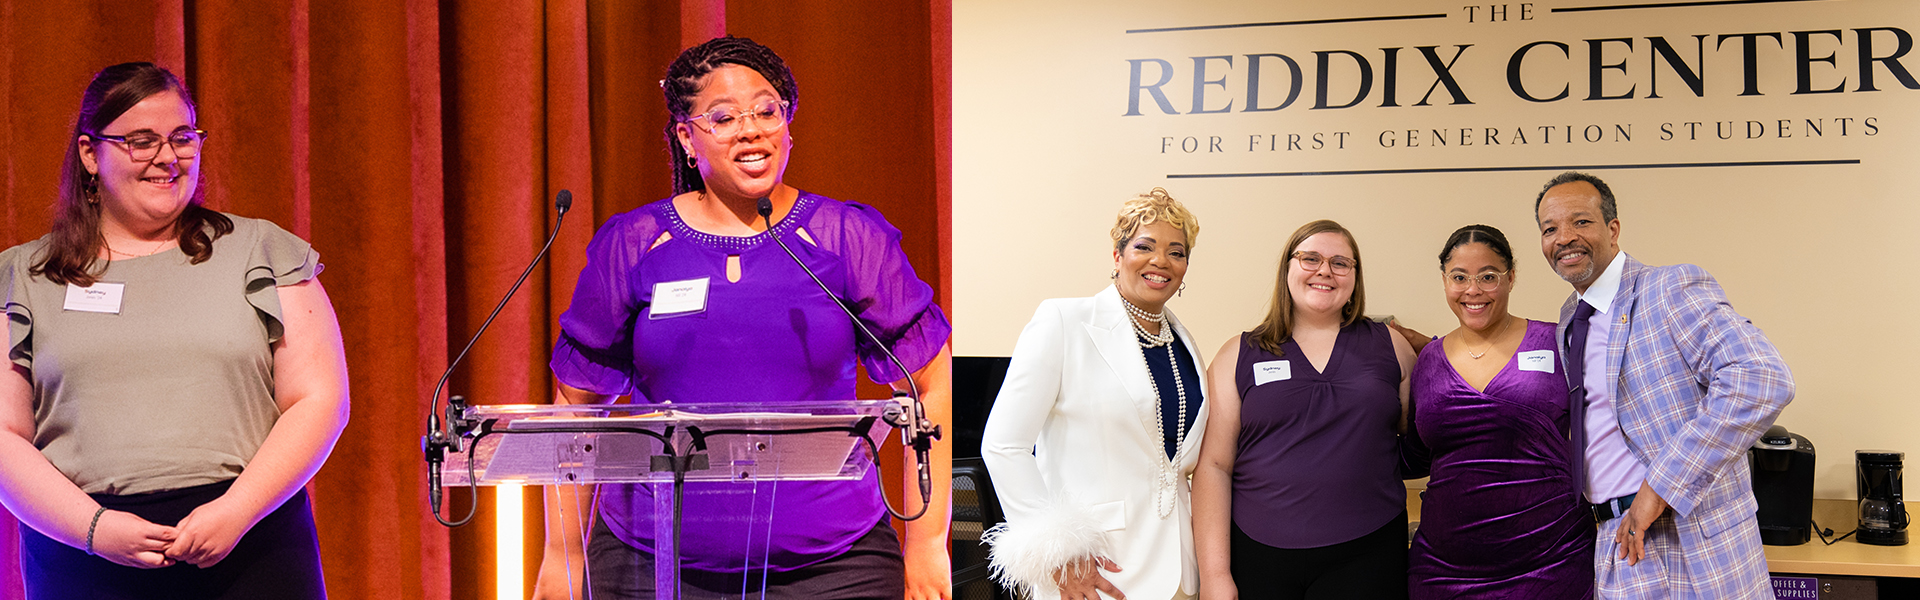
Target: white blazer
(1099, 480)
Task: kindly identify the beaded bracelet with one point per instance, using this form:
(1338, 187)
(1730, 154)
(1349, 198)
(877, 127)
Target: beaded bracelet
(92, 527)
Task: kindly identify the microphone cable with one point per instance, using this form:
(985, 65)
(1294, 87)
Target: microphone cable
(441, 437)
(919, 428)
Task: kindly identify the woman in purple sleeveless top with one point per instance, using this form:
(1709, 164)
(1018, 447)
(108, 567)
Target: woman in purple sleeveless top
(755, 327)
(1298, 491)
(1488, 419)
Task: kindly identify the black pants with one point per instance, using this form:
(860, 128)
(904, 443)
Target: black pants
(279, 558)
(871, 570)
(1373, 567)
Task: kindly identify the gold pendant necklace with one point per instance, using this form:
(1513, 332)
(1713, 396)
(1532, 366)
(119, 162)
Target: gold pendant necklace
(1491, 340)
(156, 250)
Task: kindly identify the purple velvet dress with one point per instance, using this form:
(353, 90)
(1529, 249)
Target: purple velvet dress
(1499, 518)
(771, 337)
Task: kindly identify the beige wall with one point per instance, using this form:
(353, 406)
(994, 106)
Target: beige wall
(1824, 259)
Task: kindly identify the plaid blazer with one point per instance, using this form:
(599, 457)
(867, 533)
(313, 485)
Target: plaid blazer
(1696, 385)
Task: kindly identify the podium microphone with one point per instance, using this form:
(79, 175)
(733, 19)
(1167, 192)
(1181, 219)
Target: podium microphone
(445, 436)
(916, 430)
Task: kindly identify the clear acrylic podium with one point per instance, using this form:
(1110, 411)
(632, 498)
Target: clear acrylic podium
(664, 446)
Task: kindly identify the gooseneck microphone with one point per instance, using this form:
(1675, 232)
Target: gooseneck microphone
(916, 430)
(444, 436)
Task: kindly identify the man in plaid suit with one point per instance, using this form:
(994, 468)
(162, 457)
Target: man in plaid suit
(1670, 388)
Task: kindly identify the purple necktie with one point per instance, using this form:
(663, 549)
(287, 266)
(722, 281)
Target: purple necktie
(1577, 394)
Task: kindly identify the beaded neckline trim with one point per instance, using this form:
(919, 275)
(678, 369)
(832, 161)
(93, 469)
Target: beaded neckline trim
(802, 207)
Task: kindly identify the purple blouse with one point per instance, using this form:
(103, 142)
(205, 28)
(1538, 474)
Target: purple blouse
(771, 337)
(1319, 462)
(1500, 518)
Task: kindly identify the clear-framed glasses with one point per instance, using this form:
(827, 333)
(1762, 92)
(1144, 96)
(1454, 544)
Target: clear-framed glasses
(722, 122)
(143, 146)
(1311, 261)
(1486, 281)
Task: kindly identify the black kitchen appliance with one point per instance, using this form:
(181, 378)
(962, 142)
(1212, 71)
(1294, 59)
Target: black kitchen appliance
(1782, 464)
(1883, 516)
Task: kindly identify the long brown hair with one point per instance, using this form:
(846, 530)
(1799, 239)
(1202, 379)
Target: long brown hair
(1277, 328)
(74, 248)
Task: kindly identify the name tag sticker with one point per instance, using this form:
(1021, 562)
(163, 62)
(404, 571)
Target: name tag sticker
(1271, 371)
(101, 297)
(1539, 361)
(672, 298)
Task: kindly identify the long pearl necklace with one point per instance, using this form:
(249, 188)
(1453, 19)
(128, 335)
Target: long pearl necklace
(1148, 341)
(1152, 339)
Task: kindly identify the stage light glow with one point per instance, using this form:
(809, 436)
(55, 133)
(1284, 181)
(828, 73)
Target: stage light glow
(508, 544)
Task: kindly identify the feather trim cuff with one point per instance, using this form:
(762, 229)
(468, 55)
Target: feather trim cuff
(1026, 554)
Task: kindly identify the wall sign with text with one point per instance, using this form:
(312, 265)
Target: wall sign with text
(1772, 142)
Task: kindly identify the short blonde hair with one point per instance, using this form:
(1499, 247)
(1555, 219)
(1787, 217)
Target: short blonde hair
(1154, 206)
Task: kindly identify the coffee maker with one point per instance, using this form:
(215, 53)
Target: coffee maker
(1782, 465)
(1883, 516)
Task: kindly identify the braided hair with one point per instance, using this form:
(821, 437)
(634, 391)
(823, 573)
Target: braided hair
(683, 81)
(1483, 234)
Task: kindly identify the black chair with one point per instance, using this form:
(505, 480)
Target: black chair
(976, 381)
(975, 510)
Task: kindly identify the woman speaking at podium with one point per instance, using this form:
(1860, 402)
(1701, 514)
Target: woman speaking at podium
(747, 324)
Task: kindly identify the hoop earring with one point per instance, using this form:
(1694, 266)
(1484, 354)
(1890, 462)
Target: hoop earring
(690, 163)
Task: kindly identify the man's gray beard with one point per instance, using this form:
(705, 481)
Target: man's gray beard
(1583, 275)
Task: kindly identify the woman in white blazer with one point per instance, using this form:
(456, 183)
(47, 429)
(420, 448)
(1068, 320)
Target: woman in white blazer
(1093, 436)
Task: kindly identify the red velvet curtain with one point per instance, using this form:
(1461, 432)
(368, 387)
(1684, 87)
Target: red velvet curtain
(418, 144)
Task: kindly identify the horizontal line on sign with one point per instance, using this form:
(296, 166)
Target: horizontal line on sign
(1280, 23)
(1762, 163)
(1673, 5)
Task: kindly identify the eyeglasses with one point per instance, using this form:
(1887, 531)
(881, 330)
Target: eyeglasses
(768, 116)
(1311, 261)
(145, 146)
(1486, 282)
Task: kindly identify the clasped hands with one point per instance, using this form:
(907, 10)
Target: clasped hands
(203, 539)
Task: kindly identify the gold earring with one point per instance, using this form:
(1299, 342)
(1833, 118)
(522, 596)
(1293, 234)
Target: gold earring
(690, 163)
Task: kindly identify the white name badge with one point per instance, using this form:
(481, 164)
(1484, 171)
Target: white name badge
(1539, 361)
(101, 297)
(679, 297)
(1271, 371)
